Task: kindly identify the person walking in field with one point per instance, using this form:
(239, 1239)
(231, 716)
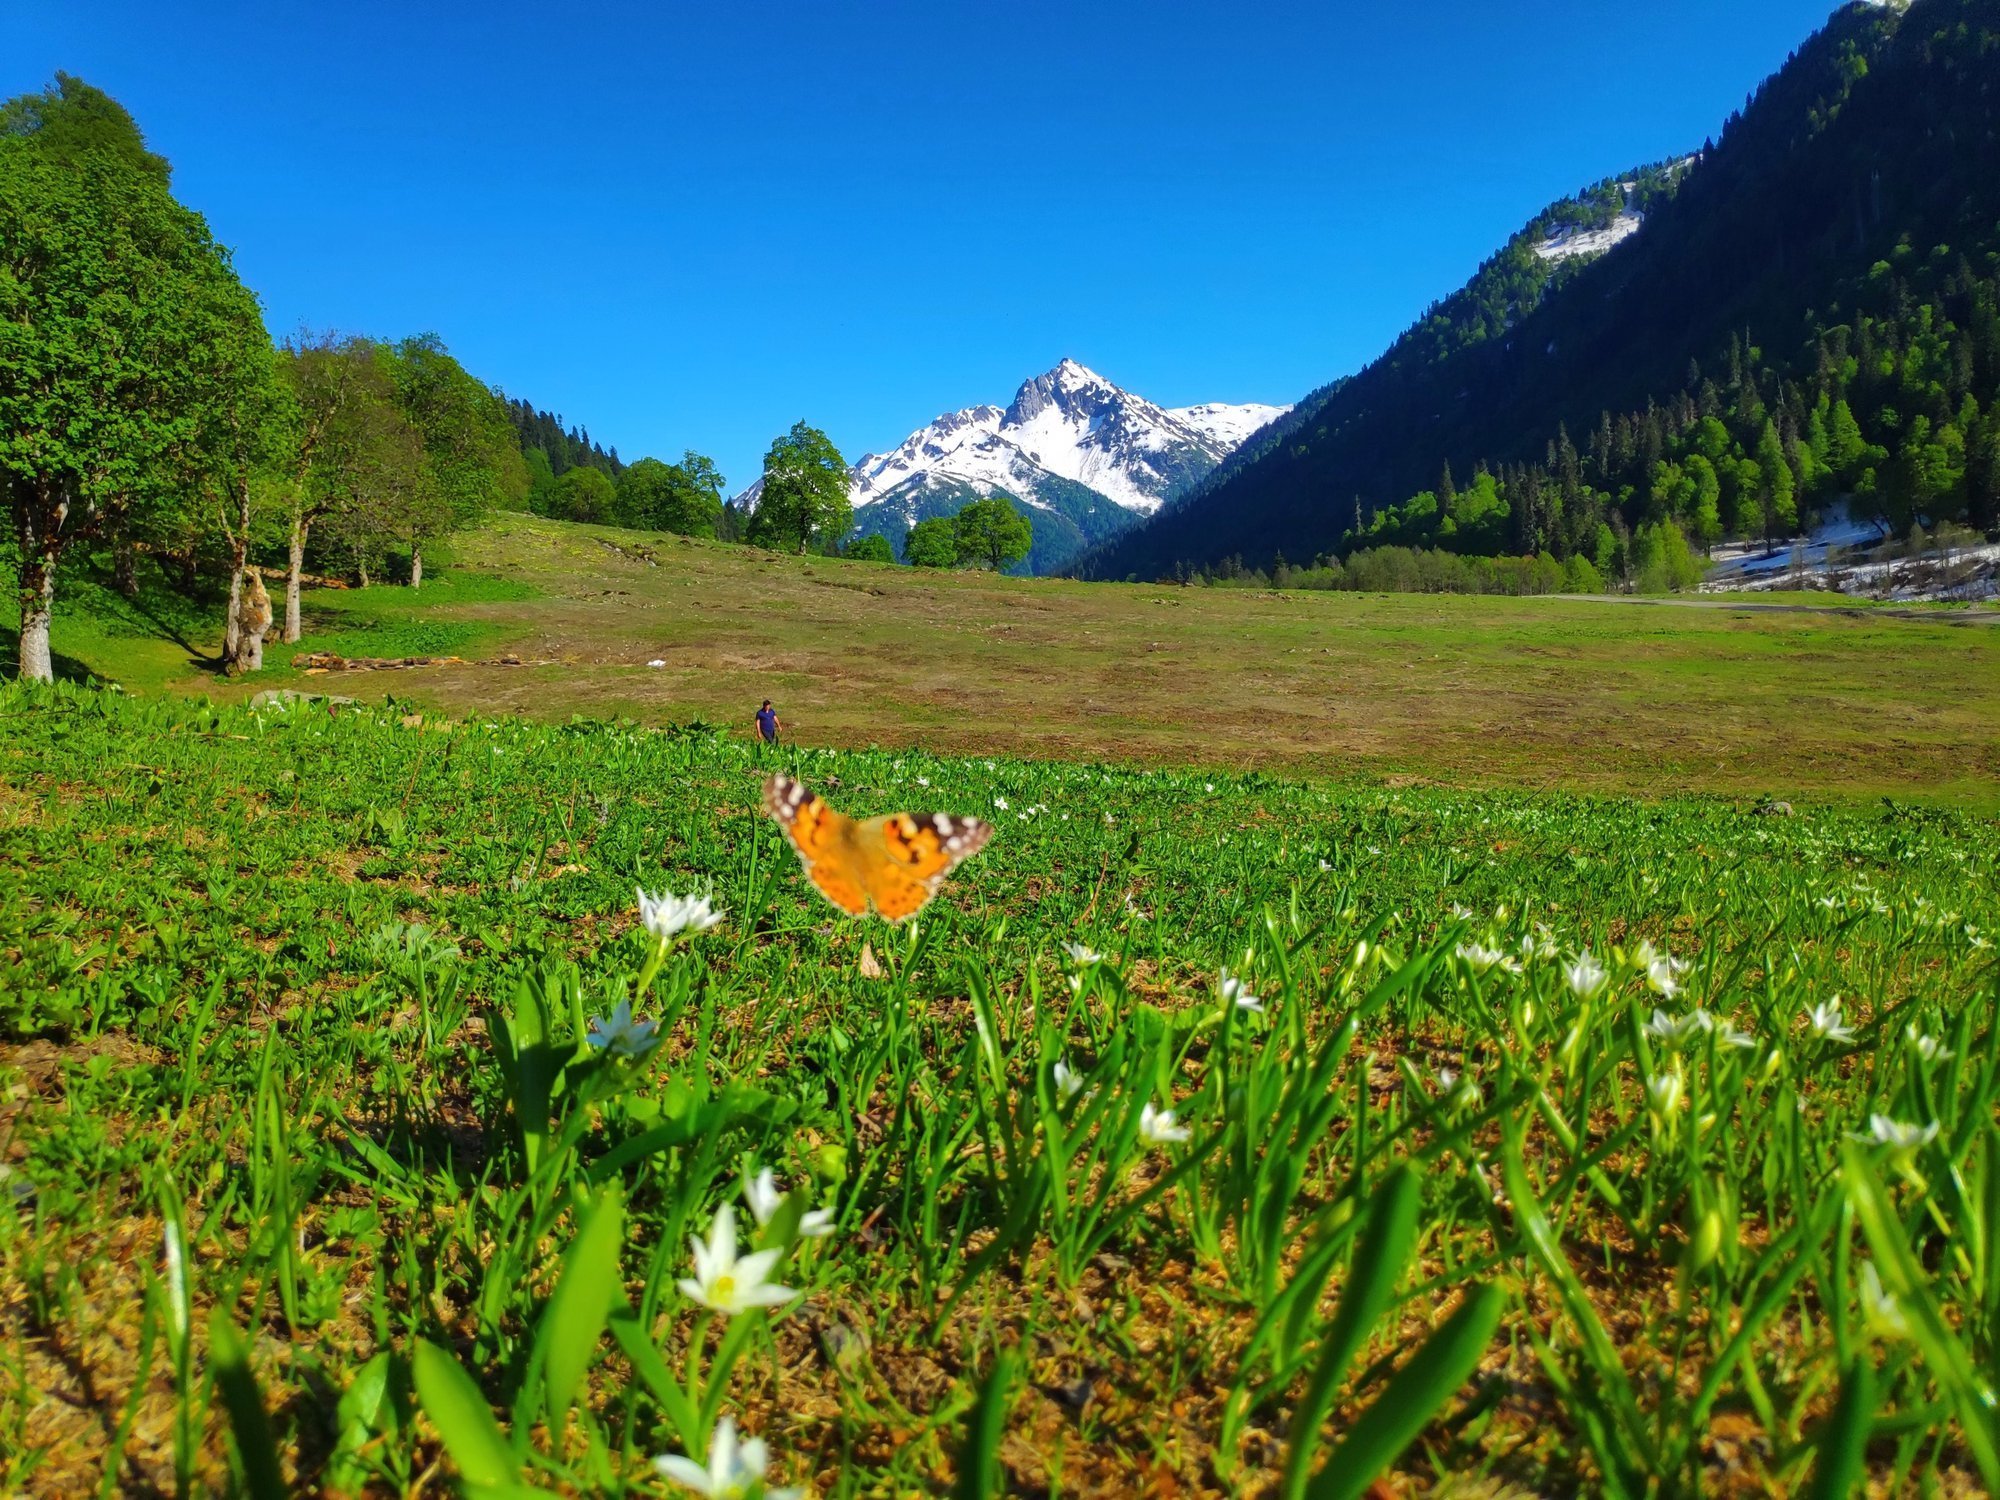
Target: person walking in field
(767, 723)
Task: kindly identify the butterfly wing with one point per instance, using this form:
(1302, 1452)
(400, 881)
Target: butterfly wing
(824, 840)
(910, 854)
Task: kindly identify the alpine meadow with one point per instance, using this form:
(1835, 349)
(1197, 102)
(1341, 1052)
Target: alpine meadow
(1432, 935)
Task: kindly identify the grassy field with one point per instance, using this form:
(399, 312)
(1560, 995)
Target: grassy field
(313, 1182)
(1570, 694)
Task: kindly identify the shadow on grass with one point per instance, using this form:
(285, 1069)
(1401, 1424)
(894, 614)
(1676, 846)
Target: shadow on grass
(67, 668)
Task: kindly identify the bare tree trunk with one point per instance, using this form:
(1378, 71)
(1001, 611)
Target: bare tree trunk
(125, 564)
(38, 602)
(239, 550)
(252, 620)
(297, 561)
(232, 632)
(416, 563)
(38, 519)
(361, 567)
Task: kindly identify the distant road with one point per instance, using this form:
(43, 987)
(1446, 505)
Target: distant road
(1858, 611)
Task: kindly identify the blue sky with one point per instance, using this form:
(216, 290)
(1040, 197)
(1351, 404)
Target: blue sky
(690, 226)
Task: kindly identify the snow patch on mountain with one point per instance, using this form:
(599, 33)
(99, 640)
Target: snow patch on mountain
(1226, 424)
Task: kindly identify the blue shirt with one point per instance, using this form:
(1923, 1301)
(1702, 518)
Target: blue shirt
(767, 723)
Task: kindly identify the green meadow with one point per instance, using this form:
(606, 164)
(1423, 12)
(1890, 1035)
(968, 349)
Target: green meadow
(1213, 1132)
(1813, 702)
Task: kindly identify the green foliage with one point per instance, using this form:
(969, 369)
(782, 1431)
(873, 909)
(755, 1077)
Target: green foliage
(470, 453)
(931, 543)
(991, 533)
(561, 449)
(685, 498)
(583, 494)
(804, 502)
(78, 126)
(871, 548)
(129, 354)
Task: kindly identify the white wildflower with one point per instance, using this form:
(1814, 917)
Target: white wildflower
(1826, 1022)
(1663, 1093)
(1879, 1308)
(764, 1197)
(1158, 1127)
(1236, 993)
(666, 916)
(1585, 977)
(1069, 1083)
(1929, 1048)
(1478, 956)
(724, 1282)
(1900, 1138)
(735, 1469)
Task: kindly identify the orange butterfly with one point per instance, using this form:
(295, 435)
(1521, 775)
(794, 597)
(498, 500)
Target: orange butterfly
(897, 861)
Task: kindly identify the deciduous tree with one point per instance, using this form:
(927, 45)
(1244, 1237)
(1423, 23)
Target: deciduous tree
(931, 544)
(992, 533)
(804, 503)
(110, 292)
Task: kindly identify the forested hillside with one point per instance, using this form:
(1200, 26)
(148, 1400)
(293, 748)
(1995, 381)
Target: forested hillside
(1808, 311)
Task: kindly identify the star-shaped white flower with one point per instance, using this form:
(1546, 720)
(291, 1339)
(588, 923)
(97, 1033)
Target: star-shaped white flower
(735, 1469)
(1663, 1093)
(1157, 1127)
(1900, 1138)
(1879, 1308)
(729, 1284)
(1929, 1048)
(666, 916)
(1481, 958)
(1585, 977)
(1069, 1083)
(1080, 953)
(1236, 993)
(1826, 1022)
(765, 1197)
(1457, 1091)
(1662, 970)
(618, 1035)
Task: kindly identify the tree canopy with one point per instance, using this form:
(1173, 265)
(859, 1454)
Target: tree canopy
(931, 543)
(991, 533)
(804, 503)
(685, 498)
(122, 326)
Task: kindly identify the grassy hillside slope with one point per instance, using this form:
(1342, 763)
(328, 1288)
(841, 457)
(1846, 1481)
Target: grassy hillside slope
(1521, 692)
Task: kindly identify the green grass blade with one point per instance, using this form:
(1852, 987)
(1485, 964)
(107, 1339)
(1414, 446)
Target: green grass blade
(463, 1419)
(1379, 1261)
(1414, 1396)
(979, 1473)
(574, 1319)
(249, 1423)
(1840, 1467)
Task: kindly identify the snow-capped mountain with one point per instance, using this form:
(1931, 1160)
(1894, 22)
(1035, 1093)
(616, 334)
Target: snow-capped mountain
(1082, 457)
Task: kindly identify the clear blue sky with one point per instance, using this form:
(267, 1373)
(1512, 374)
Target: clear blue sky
(690, 226)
